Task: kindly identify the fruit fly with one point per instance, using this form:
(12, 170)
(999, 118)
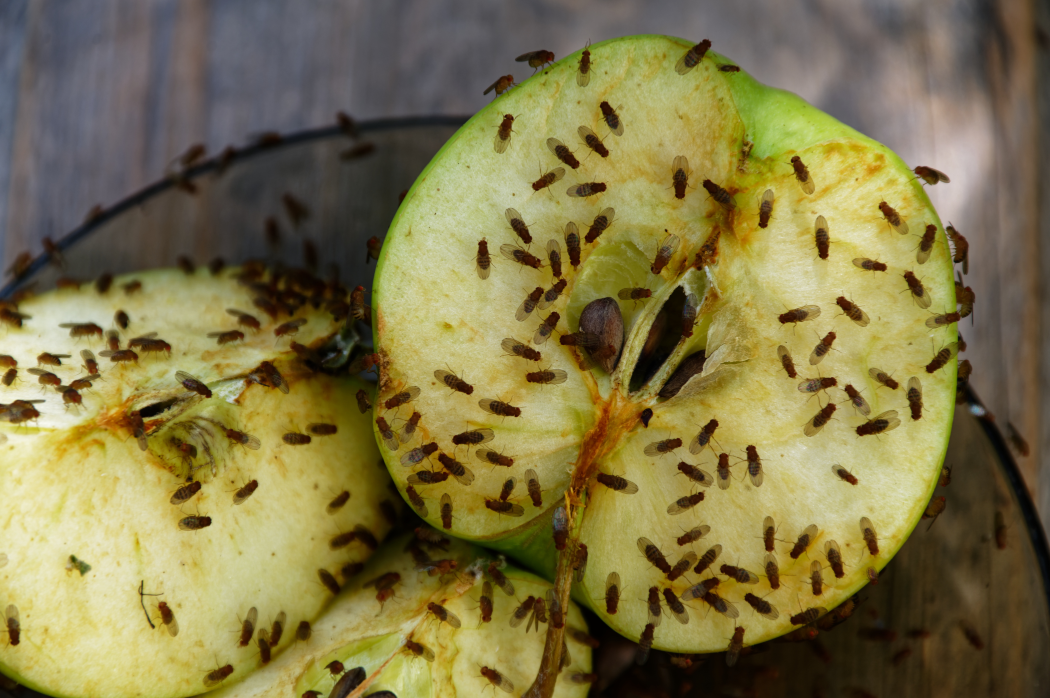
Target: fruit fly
(821, 350)
(736, 644)
(522, 257)
(522, 611)
(82, 329)
(834, 555)
(680, 176)
(754, 466)
(852, 311)
(659, 448)
(194, 523)
(451, 380)
(244, 319)
(425, 477)
(893, 218)
(600, 223)
(473, 437)
(572, 244)
(682, 566)
(708, 253)
(46, 378)
(653, 555)
(612, 119)
(821, 418)
(883, 378)
(296, 439)
(515, 348)
(803, 314)
(693, 535)
(653, 602)
(529, 304)
(765, 209)
(761, 606)
(617, 483)
(184, 493)
(697, 475)
(940, 359)
(192, 384)
(684, 504)
(803, 541)
(739, 574)
(548, 178)
(484, 260)
(926, 244)
(462, 473)
(867, 530)
(593, 142)
(582, 191)
(822, 237)
(499, 408)
(786, 361)
(844, 474)
(887, 421)
(664, 254)
(416, 500)
(689, 311)
(583, 76)
(248, 627)
(934, 509)
(802, 175)
(502, 139)
(560, 528)
(562, 152)
(246, 440)
(539, 614)
(554, 259)
(815, 385)
(772, 571)
(446, 511)
(768, 531)
(915, 397)
(930, 175)
(9, 377)
(943, 320)
(729, 68)
(546, 328)
(868, 264)
(634, 294)
(719, 194)
(402, 398)
(390, 440)
(267, 375)
(707, 559)
(499, 579)
(214, 678)
(518, 225)
(536, 59)
(289, 328)
(702, 439)
(119, 356)
(962, 248)
(502, 84)
(808, 616)
(418, 650)
(722, 474)
(692, 57)
(241, 495)
(407, 432)
(167, 618)
(532, 481)
(497, 679)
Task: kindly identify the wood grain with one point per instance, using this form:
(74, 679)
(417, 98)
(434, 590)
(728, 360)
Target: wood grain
(97, 98)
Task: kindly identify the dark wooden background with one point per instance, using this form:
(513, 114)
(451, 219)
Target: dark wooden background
(97, 97)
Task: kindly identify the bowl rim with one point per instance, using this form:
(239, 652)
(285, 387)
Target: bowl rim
(973, 404)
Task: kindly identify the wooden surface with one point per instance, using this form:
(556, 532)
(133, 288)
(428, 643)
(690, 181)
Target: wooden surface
(97, 97)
